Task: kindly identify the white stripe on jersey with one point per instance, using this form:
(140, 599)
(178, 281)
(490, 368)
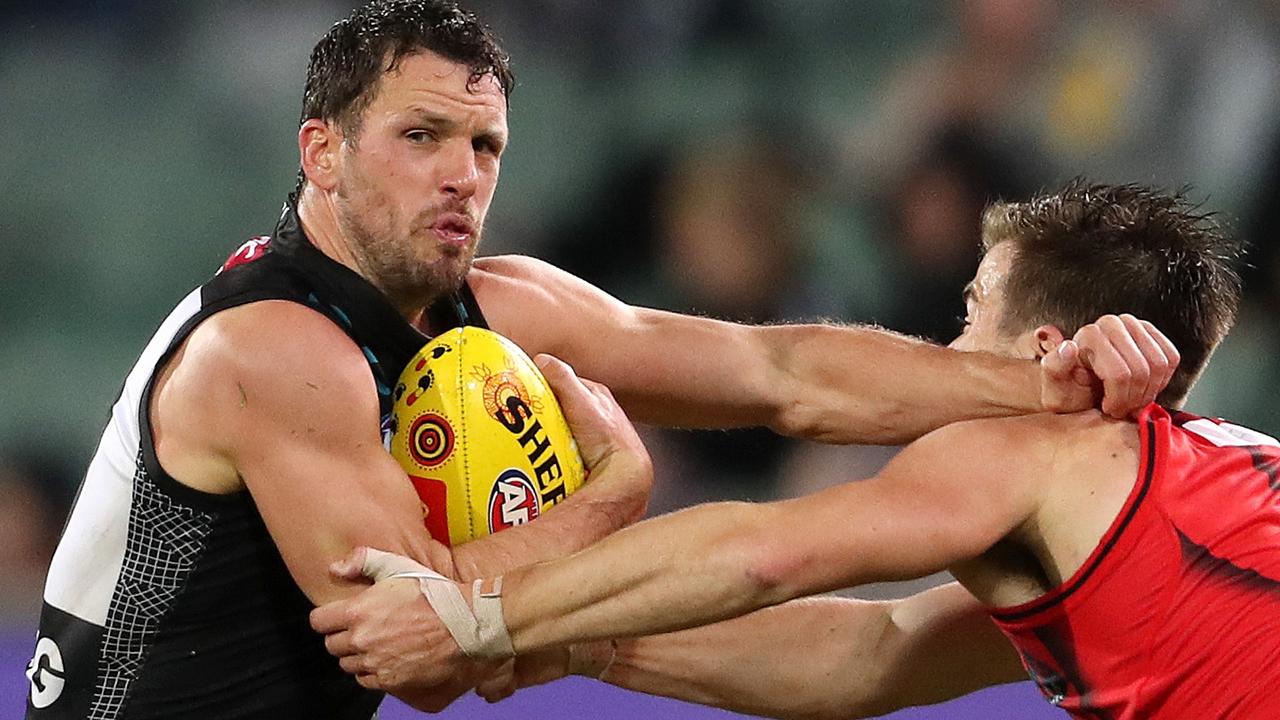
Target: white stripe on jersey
(86, 565)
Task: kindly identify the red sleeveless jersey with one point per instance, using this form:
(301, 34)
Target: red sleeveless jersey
(1176, 613)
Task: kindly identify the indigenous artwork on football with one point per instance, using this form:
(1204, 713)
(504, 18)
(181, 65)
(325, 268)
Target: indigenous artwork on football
(481, 436)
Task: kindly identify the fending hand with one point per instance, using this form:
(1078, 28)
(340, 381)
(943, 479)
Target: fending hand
(1118, 362)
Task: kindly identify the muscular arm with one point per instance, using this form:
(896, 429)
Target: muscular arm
(945, 499)
(283, 402)
(825, 382)
(826, 657)
(274, 398)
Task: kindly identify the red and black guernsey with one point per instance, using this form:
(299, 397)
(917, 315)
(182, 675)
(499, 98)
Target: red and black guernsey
(166, 602)
(1176, 613)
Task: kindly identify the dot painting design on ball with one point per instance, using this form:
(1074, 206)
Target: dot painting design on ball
(425, 381)
(479, 433)
(431, 440)
(500, 387)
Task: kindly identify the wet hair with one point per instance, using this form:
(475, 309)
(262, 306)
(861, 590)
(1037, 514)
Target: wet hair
(349, 61)
(1089, 250)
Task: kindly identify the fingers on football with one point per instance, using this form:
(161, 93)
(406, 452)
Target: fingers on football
(556, 371)
(569, 389)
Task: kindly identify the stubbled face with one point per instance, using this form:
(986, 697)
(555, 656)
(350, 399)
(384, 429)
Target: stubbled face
(415, 182)
(984, 308)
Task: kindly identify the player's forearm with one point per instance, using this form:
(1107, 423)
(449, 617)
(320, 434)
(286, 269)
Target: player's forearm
(809, 658)
(827, 657)
(630, 583)
(865, 385)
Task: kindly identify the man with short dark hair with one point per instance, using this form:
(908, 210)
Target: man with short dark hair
(246, 450)
(1130, 566)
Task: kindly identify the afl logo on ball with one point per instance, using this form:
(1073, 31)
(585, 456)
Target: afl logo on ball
(513, 501)
(430, 440)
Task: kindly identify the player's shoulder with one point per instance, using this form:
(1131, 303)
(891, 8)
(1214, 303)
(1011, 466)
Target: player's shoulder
(1027, 442)
(500, 269)
(1017, 429)
(265, 344)
(511, 274)
(260, 331)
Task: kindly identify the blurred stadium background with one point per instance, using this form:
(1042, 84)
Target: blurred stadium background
(759, 160)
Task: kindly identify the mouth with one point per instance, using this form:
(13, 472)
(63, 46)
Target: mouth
(454, 229)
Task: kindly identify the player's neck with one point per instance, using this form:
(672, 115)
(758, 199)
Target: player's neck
(320, 223)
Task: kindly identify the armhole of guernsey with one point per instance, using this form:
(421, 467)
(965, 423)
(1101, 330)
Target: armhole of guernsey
(88, 560)
(1150, 462)
(149, 461)
(87, 563)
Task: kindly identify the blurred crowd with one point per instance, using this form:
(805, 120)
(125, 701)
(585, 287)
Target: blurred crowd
(756, 160)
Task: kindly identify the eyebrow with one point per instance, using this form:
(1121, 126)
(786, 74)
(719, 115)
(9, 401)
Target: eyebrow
(970, 292)
(494, 137)
(426, 117)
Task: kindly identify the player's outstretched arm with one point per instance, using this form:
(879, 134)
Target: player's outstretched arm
(946, 498)
(824, 657)
(821, 381)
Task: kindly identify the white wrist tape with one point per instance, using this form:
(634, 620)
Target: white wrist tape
(479, 630)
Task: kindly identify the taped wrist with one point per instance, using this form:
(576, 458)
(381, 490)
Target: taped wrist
(479, 629)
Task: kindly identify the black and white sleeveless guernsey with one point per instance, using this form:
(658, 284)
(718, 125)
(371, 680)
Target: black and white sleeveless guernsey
(166, 602)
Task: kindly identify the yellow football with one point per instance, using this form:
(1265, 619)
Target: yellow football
(481, 436)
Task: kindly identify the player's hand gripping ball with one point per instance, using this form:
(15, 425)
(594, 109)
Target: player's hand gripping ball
(481, 436)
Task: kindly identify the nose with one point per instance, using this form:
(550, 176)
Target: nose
(458, 173)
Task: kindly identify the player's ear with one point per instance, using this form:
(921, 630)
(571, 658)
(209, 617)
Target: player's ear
(1046, 339)
(318, 146)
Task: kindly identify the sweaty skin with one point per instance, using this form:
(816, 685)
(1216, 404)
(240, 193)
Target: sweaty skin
(403, 201)
(999, 502)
